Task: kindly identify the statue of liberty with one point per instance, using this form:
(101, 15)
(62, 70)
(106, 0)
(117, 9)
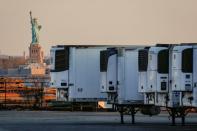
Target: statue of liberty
(35, 28)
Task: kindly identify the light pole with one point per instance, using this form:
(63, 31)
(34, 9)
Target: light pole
(5, 84)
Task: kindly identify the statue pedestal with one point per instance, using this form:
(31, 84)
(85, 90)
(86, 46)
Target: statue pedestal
(36, 54)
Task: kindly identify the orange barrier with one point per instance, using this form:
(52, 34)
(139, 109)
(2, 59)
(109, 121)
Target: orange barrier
(14, 92)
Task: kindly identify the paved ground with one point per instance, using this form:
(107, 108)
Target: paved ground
(87, 121)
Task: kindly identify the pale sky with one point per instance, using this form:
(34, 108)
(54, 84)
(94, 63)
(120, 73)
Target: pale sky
(96, 22)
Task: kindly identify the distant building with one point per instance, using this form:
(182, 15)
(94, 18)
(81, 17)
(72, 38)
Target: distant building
(7, 62)
(3, 72)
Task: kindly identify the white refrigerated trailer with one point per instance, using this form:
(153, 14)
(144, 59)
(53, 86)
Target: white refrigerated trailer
(153, 74)
(108, 72)
(183, 70)
(194, 83)
(127, 71)
(119, 79)
(135, 78)
(184, 77)
(155, 77)
(119, 75)
(75, 72)
(170, 80)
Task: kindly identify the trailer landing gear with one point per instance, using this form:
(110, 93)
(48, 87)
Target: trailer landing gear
(178, 113)
(131, 111)
(121, 110)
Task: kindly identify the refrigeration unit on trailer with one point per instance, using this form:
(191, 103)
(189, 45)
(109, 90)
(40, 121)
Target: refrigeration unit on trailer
(59, 69)
(153, 74)
(184, 73)
(142, 69)
(160, 72)
(182, 78)
(194, 92)
(108, 72)
(81, 79)
(59, 66)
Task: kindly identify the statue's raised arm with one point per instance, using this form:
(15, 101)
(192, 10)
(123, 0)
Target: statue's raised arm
(35, 28)
(31, 17)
